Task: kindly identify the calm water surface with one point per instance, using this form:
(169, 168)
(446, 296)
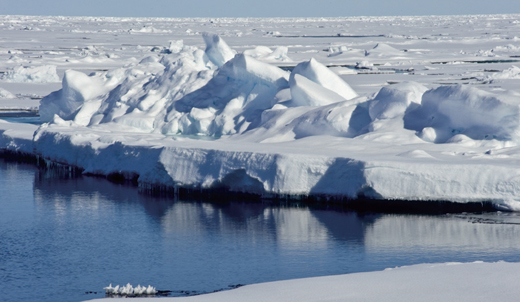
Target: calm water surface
(61, 239)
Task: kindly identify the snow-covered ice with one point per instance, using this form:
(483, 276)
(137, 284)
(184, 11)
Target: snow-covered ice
(425, 282)
(38, 74)
(390, 108)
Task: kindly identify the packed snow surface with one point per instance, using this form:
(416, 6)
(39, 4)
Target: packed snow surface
(407, 108)
(425, 282)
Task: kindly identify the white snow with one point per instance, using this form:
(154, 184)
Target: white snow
(264, 53)
(512, 72)
(471, 282)
(217, 50)
(6, 94)
(321, 75)
(468, 111)
(383, 50)
(411, 108)
(418, 119)
(37, 74)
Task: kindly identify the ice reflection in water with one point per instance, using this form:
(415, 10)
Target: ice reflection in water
(445, 236)
(62, 237)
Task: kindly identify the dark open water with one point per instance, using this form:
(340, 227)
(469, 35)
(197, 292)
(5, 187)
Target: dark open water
(63, 238)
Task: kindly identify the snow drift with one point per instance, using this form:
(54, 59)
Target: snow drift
(453, 111)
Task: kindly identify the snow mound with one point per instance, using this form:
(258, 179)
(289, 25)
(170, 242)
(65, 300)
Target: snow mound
(264, 53)
(383, 50)
(38, 74)
(342, 119)
(6, 94)
(512, 72)
(462, 110)
(321, 75)
(308, 93)
(148, 29)
(392, 101)
(176, 46)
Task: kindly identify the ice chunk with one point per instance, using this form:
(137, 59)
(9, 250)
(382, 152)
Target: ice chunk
(339, 119)
(264, 53)
(453, 110)
(217, 49)
(129, 290)
(258, 52)
(176, 46)
(137, 96)
(237, 95)
(320, 74)
(512, 72)
(392, 101)
(307, 93)
(77, 88)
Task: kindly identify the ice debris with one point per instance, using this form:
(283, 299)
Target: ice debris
(37, 74)
(192, 92)
(217, 49)
(6, 94)
(129, 290)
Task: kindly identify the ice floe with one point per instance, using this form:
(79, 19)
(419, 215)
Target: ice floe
(207, 115)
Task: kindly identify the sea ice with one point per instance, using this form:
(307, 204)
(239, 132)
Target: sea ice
(471, 282)
(6, 94)
(38, 74)
(252, 121)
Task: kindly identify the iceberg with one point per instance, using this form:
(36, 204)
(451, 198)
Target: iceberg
(211, 119)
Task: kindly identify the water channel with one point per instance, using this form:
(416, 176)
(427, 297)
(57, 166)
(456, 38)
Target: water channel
(64, 239)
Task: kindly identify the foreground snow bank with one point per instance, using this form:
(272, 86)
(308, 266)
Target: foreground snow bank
(425, 282)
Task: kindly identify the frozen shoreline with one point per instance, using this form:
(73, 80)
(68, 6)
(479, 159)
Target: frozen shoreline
(200, 165)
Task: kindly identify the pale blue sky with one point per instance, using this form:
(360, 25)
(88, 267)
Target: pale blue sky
(252, 8)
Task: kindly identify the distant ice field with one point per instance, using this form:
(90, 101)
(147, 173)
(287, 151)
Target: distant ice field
(390, 108)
